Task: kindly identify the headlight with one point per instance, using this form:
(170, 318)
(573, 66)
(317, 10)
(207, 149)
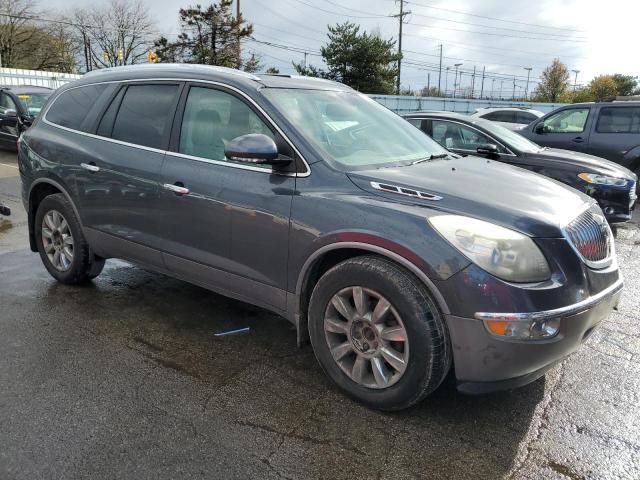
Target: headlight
(507, 254)
(603, 179)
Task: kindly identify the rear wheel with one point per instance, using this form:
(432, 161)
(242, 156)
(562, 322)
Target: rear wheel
(61, 244)
(378, 334)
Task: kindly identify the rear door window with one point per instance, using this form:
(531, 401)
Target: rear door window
(619, 120)
(525, 117)
(145, 115)
(501, 116)
(71, 108)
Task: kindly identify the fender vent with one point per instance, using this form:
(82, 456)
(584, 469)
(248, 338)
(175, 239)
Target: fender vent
(409, 192)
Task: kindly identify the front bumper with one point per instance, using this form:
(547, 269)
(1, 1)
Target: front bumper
(484, 362)
(617, 204)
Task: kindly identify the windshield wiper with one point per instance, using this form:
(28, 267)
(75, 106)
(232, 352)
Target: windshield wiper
(430, 157)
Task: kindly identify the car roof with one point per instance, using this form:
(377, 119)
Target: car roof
(187, 71)
(26, 89)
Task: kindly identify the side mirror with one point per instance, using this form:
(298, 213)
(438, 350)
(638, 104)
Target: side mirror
(254, 148)
(539, 129)
(489, 149)
(10, 112)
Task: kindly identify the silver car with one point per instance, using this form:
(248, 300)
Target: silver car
(513, 118)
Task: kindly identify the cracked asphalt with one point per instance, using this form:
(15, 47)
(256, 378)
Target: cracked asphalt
(124, 378)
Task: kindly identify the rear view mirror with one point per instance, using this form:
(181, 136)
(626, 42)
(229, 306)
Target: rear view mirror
(489, 149)
(254, 148)
(539, 128)
(10, 112)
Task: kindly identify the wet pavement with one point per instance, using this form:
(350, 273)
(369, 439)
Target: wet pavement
(125, 378)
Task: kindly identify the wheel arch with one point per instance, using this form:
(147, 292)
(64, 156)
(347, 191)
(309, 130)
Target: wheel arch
(39, 190)
(329, 255)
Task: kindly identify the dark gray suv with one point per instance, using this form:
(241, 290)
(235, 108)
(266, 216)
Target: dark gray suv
(397, 259)
(609, 130)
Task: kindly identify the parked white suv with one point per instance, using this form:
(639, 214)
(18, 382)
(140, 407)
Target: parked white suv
(513, 118)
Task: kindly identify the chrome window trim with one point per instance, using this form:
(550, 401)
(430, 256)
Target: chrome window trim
(509, 154)
(306, 173)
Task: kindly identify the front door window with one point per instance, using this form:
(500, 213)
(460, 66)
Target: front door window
(567, 121)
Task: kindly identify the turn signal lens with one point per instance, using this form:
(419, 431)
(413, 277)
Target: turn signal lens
(524, 330)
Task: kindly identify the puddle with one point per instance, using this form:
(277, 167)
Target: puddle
(5, 225)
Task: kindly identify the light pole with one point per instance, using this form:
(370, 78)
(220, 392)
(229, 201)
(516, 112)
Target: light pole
(455, 79)
(526, 91)
(501, 82)
(493, 88)
(575, 80)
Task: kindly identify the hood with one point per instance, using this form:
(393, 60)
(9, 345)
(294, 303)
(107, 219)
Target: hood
(583, 161)
(509, 196)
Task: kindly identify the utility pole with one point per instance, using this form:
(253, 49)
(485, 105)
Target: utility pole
(501, 82)
(575, 81)
(400, 16)
(305, 60)
(473, 81)
(482, 86)
(526, 90)
(440, 70)
(238, 33)
(428, 83)
(493, 88)
(446, 80)
(455, 79)
(513, 96)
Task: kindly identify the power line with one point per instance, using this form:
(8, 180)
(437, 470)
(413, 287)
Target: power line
(494, 18)
(499, 28)
(493, 34)
(340, 13)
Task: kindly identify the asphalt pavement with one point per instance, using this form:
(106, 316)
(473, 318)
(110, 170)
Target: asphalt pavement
(125, 378)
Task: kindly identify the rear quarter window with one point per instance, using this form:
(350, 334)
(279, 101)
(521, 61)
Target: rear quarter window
(71, 108)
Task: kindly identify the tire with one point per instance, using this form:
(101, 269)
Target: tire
(57, 230)
(418, 364)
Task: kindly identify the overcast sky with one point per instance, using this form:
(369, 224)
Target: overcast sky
(593, 37)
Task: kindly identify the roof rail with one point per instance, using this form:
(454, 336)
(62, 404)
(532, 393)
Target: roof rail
(185, 66)
(624, 98)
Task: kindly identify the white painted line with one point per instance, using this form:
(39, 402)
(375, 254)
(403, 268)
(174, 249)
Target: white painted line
(7, 165)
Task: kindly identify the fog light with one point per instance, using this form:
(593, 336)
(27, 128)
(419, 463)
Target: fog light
(524, 330)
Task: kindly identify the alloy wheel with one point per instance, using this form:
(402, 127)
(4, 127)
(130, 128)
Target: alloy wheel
(57, 240)
(366, 337)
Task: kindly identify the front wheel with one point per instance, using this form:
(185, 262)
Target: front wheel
(378, 334)
(61, 244)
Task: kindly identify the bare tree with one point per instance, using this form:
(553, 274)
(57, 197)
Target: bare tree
(16, 28)
(117, 34)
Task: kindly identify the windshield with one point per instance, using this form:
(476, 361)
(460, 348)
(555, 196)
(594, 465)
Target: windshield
(351, 130)
(509, 137)
(33, 102)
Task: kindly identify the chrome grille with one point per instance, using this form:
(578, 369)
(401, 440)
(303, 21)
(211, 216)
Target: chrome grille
(591, 236)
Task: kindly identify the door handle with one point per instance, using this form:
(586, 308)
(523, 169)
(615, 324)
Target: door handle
(92, 167)
(177, 188)
(578, 140)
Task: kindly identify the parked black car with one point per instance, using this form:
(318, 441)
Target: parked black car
(19, 105)
(613, 186)
(609, 130)
(396, 258)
